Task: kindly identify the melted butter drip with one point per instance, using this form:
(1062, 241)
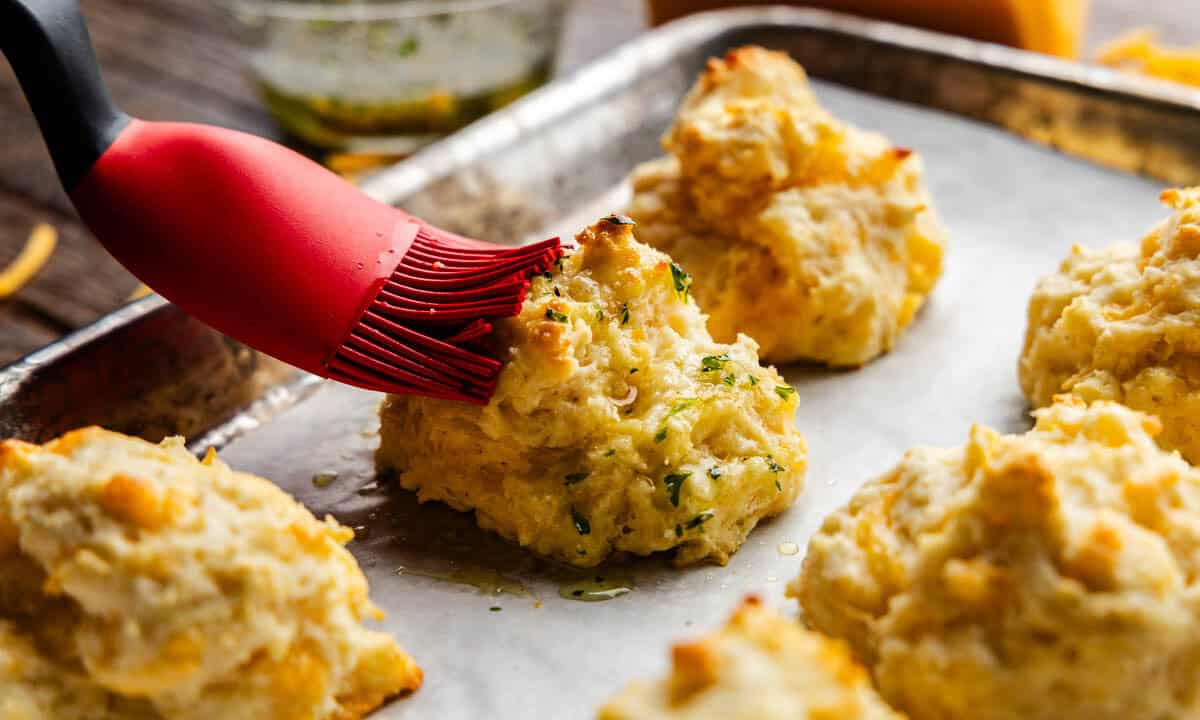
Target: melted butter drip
(486, 580)
(597, 588)
(324, 479)
(433, 541)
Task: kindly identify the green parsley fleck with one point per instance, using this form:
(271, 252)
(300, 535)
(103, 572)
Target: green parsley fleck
(574, 478)
(556, 316)
(582, 526)
(729, 380)
(785, 391)
(674, 483)
(409, 47)
(633, 371)
(556, 292)
(678, 530)
(660, 435)
(619, 220)
(774, 466)
(547, 275)
(700, 519)
(495, 608)
(753, 381)
(714, 472)
(683, 281)
(778, 487)
(599, 316)
(611, 452)
(624, 313)
(682, 405)
(713, 363)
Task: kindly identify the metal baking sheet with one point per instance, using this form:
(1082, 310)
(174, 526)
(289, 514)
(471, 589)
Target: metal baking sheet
(485, 619)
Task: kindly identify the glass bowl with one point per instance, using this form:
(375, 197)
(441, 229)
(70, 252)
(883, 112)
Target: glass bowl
(386, 77)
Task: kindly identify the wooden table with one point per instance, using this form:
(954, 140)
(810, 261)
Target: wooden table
(176, 59)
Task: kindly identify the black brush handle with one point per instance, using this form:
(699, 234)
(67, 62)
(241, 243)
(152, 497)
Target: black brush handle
(48, 46)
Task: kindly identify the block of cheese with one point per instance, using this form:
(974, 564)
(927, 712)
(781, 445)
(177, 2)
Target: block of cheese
(1047, 26)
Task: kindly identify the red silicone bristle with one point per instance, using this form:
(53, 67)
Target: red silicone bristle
(404, 337)
(500, 288)
(475, 331)
(383, 347)
(418, 335)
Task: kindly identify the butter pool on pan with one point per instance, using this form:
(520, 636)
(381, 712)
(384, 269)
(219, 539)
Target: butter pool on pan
(815, 238)
(139, 583)
(759, 666)
(1123, 324)
(618, 426)
(1052, 575)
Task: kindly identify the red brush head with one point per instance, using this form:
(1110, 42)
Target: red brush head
(424, 327)
(283, 255)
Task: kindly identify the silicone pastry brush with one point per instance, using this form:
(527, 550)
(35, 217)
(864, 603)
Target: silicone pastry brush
(261, 243)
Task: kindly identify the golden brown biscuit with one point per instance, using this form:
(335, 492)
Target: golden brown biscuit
(1052, 575)
(181, 589)
(33, 687)
(1123, 324)
(813, 237)
(760, 666)
(618, 424)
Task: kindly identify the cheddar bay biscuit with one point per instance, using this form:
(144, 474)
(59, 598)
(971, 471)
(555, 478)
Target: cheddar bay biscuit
(813, 237)
(1052, 575)
(1123, 324)
(759, 666)
(168, 587)
(618, 424)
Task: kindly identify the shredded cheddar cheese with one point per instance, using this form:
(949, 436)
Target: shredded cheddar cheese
(1138, 52)
(139, 292)
(33, 256)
